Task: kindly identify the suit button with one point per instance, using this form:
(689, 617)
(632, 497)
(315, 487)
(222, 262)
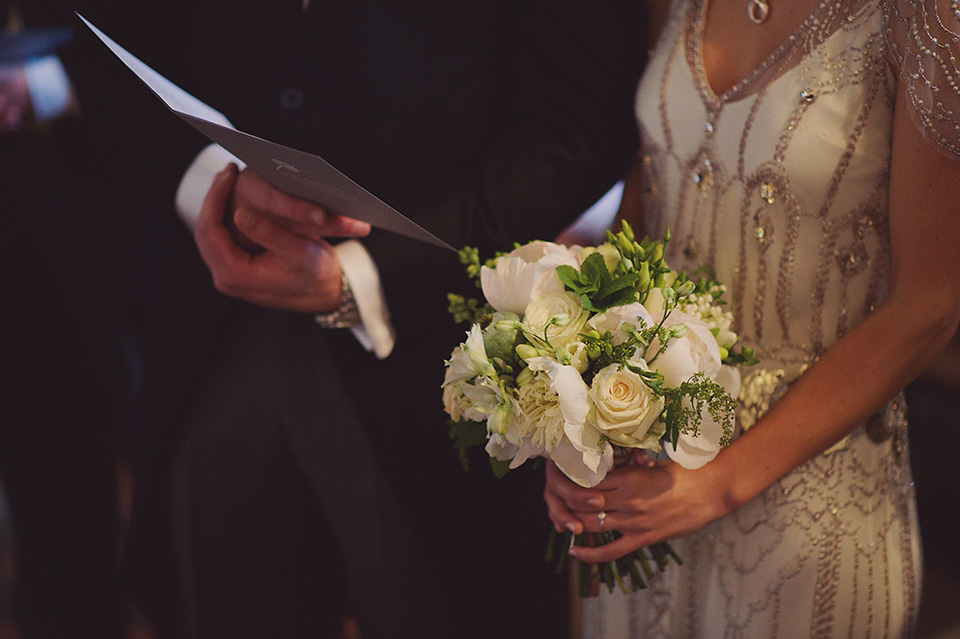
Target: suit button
(291, 99)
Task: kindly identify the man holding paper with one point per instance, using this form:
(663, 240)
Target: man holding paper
(312, 477)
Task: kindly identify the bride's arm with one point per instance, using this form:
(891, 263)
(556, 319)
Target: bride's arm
(850, 382)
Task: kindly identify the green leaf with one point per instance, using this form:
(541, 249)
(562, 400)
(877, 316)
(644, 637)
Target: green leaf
(500, 467)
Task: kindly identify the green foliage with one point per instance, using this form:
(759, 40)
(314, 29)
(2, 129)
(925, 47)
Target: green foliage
(468, 310)
(465, 435)
(746, 356)
(597, 287)
(684, 416)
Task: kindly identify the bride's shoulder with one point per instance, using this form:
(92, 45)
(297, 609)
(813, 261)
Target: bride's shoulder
(923, 44)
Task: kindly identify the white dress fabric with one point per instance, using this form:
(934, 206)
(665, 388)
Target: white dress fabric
(780, 186)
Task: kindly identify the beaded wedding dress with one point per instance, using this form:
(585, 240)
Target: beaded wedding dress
(780, 185)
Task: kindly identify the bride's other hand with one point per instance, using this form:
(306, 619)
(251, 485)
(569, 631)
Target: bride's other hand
(646, 503)
(268, 248)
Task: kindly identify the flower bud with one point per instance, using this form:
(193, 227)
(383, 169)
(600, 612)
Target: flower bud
(677, 331)
(686, 289)
(526, 351)
(525, 376)
(644, 282)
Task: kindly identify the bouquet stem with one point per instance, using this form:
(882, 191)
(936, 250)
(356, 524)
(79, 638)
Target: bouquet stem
(629, 573)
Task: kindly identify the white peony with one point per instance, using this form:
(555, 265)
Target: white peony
(613, 318)
(539, 313)
(696, 351)
(624, 408)
(526, 273)
(695, 451)
(582, 454)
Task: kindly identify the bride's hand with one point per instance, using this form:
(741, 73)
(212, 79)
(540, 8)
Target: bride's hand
(646, 503)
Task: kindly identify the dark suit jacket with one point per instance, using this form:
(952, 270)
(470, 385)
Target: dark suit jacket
(486, 123)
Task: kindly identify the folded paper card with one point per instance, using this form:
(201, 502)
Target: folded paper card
(298, 173)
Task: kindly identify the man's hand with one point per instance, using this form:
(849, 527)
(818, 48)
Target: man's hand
(268, 248)
(14, 97)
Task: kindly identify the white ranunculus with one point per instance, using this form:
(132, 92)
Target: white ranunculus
(539, 312)
(582, 455)
(613, 318)
(696, 351)
(695, 451)
(624, 408)
(469, 359)
(526, 273)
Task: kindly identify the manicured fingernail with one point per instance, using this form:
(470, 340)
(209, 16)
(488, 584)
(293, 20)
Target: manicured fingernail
(596, 502)
(318, 216)
(572, 527)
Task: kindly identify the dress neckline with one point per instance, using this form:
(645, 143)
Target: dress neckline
(767, 69)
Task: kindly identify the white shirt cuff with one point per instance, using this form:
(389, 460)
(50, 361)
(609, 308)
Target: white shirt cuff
(374, 332)
(198, 179)
(49, 87)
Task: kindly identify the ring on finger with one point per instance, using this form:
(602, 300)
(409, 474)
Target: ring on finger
(602, 518)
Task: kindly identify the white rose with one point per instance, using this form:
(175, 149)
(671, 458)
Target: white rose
(697, 351)
(624, 408)
(695, 451)
(526, 273)
(539, 313)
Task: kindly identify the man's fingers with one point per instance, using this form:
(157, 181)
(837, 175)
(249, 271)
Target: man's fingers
(213, 239)
(298, 252)
(299, 216)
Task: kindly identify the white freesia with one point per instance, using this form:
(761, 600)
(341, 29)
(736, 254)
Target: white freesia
(526, 273)
(541, 313)
(469, 359)
(624, 408)
(575, 354)
(488, 403)
(695, 451)
(697, 351)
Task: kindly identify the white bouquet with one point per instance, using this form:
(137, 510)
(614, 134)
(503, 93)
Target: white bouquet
(578, 353)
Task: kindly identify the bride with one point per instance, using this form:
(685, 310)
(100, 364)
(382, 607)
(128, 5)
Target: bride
(806, 150)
